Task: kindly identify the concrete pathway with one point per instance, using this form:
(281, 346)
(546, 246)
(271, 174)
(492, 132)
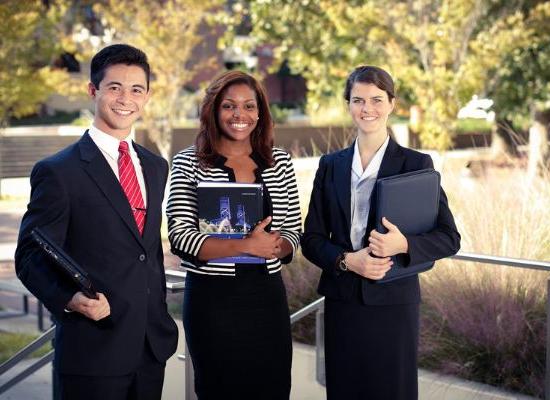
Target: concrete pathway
(432, 386)
(7, 250)
(11, 213)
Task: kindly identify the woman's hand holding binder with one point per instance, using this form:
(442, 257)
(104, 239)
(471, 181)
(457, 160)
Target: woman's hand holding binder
(388, 244)
(263, 244)
(361, 262)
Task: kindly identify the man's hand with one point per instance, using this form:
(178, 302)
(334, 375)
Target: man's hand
(388, 244)
(91, 308)
(362, 263)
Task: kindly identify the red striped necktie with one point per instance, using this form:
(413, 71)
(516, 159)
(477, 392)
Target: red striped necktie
(128, 181)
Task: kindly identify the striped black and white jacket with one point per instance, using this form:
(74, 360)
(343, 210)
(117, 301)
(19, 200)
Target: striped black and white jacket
(181, 210)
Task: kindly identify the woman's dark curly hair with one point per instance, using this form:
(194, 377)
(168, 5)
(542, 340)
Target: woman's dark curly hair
(261, 138)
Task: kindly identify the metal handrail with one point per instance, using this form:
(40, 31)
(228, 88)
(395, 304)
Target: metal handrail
(318, 305)
(24, 353)
(506, 261)
(311, 307)
(464, 256)
(177, 284)
(27, 350)
(27, 371)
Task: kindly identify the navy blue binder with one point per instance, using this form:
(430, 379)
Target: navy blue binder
(411, 202)
(229, 210)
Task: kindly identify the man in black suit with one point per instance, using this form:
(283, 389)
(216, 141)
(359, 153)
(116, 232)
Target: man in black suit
(100, 200)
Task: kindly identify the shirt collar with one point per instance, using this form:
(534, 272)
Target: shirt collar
(109, 144)
(374, 164)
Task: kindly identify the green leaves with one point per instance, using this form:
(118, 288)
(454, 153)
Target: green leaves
(439, 52)
(28, 46)
(171, 33)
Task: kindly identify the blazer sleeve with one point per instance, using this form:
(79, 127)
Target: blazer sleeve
(316, 244)
(182, 211)
(292, 225)
(441, 242)
(49, 209)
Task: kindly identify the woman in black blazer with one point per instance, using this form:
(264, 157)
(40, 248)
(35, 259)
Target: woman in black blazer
(371, 328)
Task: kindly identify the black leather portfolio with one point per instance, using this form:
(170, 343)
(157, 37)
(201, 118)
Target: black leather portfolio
(411, 202)
(65, 263)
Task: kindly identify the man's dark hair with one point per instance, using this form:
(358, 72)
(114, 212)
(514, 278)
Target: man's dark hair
(117, 54)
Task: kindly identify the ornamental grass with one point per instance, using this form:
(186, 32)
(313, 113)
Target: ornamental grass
(481, 322)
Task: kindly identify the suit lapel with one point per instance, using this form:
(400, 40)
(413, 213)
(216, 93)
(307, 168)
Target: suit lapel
(342, 182)
(101, 173)
(393, 160)
(153, 188)
(392, 164)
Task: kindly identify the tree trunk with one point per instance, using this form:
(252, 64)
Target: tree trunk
(539, 152)
(504, 140)
(160, 134)
(415, 120)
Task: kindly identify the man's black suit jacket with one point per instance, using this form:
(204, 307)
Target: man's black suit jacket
(327, 228)
(78, 201)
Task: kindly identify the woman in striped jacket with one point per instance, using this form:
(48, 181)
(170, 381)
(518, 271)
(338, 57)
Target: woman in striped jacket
(236, 316)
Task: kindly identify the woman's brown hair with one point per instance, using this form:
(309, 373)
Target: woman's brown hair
(370, 74)
(261, 138)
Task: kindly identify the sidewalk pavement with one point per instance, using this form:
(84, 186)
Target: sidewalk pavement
(11, 213)
(432, 386)
(38, 385)
(7, 250)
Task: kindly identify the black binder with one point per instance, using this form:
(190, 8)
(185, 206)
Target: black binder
(66, 264)
(411, 202)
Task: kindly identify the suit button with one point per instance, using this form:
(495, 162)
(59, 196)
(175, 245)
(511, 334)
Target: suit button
(142, 257)
(148, 291)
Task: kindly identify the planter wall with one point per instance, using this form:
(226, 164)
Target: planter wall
(308, 140)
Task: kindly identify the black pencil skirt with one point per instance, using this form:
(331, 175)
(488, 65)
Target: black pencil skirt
(238, 335)
(371, 351)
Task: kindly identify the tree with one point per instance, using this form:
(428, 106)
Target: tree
(28, 47)
(520, 84)
(171, 32)
(426, 45)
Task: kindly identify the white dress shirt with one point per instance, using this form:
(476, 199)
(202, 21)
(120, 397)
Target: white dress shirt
(362, 184)
(109, 148)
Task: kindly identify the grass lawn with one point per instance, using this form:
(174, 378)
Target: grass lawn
(472, 125)
(11, 343)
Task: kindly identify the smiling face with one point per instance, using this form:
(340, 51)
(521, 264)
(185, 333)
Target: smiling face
(369, 107)
(119, 99)
(238, 112)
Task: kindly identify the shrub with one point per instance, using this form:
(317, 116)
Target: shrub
(301, 279)
(487, 322)
(280, 114)
(480, 322)
(472, 125)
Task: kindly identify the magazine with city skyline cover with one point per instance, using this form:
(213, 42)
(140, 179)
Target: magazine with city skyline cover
(230, 210)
